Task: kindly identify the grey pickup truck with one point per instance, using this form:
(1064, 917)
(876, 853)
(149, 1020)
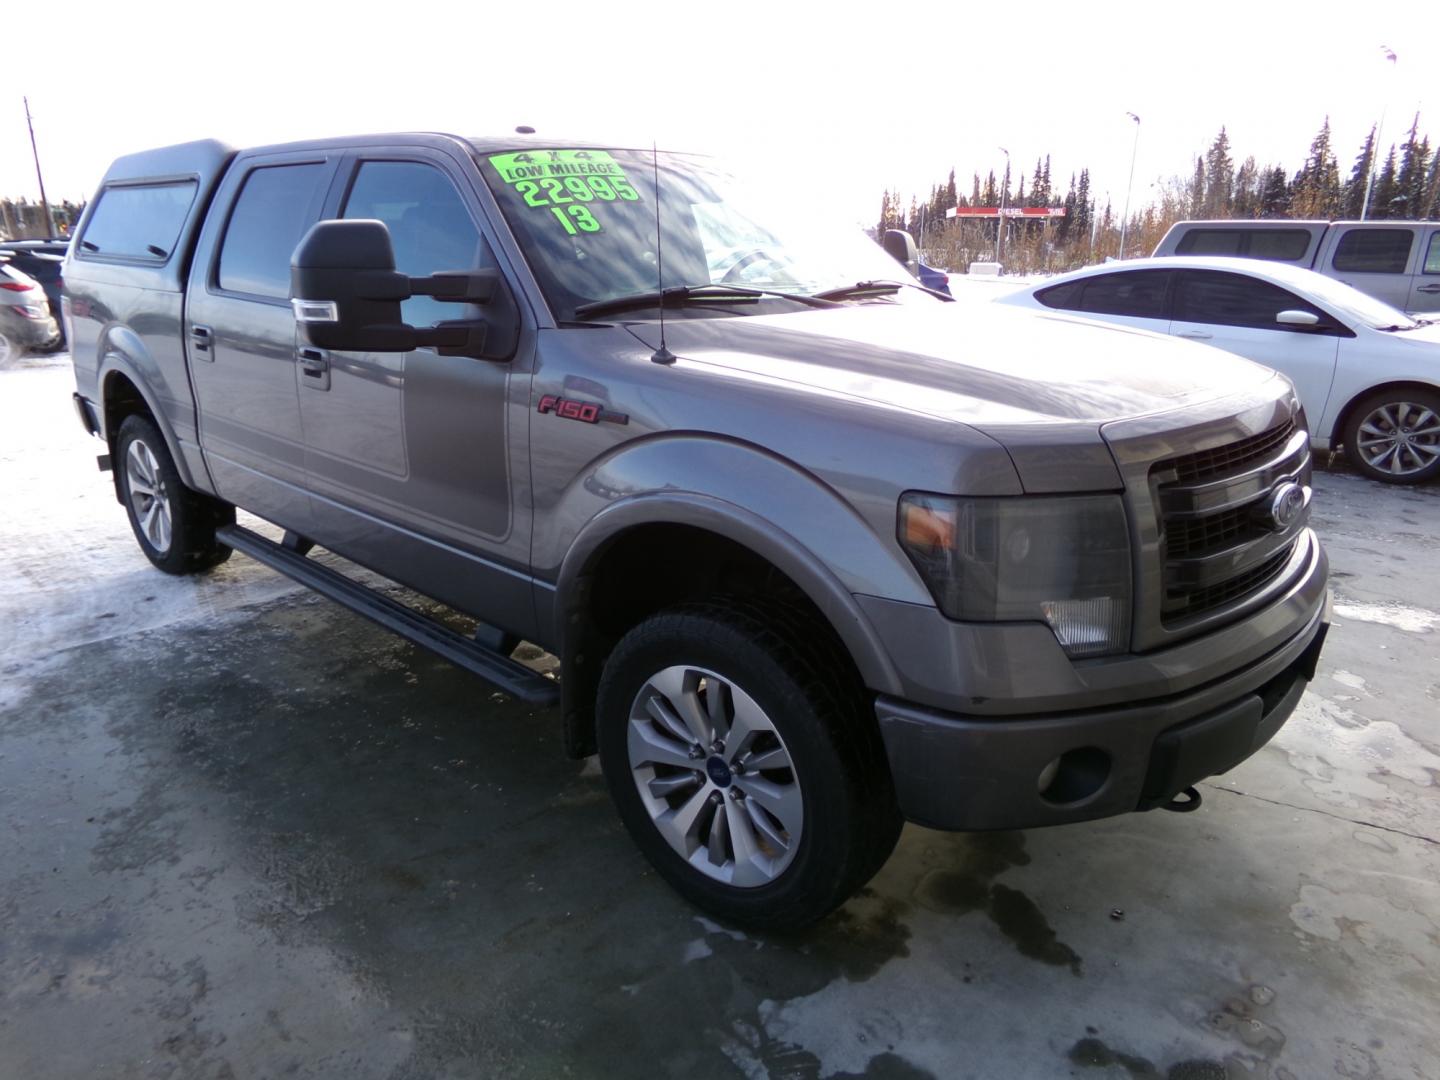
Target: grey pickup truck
(819, 551)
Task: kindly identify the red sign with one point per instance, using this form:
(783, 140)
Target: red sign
(1009, 211)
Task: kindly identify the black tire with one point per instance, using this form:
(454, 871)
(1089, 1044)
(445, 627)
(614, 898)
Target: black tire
(793, 671)
(1413, 415)
(188, 544)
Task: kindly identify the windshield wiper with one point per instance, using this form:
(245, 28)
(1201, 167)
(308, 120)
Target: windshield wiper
(684, 294)
(874, 288)
(1396, 328)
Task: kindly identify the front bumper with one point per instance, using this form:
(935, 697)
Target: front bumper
(954, 771)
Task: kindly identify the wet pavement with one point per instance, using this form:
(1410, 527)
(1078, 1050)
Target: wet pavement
(248, 834)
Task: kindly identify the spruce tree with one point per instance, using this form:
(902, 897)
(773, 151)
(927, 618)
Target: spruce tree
(1084, 208)
(1406, 203)
(1317, 186)
(1384, 194)
(1359, 178)
(1274, 194)
(1245, 194)
(1197, 190)
(1218, 177)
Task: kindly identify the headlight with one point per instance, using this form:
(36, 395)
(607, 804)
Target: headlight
(1064, 561)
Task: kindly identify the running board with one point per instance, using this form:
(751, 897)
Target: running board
(502, 672)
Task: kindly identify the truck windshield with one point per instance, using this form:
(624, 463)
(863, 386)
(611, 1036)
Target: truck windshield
(586, 221)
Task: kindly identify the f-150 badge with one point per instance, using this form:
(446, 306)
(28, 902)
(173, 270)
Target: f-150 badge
(587, 412)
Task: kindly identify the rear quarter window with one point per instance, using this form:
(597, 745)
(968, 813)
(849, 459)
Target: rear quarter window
(1374, 251)
(138, 221)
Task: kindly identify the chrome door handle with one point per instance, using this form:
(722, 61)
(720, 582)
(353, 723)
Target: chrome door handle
(1196, 335)
(201, 338)
(1428, 288)
(314, 367)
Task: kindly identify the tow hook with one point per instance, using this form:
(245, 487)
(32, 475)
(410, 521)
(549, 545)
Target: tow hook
(1184, 801)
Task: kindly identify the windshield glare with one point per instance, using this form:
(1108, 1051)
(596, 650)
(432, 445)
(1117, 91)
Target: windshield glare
(1355, 305)
(586, 222)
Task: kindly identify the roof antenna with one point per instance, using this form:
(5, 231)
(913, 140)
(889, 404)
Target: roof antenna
(661, 355)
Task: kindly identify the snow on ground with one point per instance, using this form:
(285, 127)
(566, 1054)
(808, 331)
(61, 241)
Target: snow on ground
(85, 578)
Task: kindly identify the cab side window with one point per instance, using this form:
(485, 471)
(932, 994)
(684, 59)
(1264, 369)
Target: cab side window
(1209, 296)
(430, 228)
(270, 216)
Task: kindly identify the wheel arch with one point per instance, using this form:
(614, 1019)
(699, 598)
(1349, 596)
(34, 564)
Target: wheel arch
(1342, 418)
(630, 533)
(123, 393)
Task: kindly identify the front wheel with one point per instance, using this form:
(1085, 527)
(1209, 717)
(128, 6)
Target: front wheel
(174, 526)
(1394, 435)
(743, 758)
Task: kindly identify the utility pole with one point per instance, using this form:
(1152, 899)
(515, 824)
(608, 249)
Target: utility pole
(1000, 225)
(1375, 144)
(44, 202)
(1125, 220)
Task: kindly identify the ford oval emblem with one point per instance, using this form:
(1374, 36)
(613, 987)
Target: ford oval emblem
(1287, 502)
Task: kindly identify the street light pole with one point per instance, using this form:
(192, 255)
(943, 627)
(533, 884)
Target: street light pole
(1000, 225)
(44, 202)
(1379, 131)
(1125, 219)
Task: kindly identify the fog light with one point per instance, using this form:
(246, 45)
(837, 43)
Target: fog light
(1075, 775)
(1047, 775)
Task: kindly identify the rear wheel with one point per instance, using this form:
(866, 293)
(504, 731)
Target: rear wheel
(174, 526)
(1394, 435)
(746, 764)
(9, 350)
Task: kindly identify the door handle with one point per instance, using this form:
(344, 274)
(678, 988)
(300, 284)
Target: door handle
(1428, 288)
(1196, 335)
(201, 338)
(314, 367)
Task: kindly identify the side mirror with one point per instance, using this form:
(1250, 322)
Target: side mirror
(1298, 318)
(346, 294)
(900, 246)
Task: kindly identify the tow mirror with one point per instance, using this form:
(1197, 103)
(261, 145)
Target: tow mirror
(1303, 319)
(346, 294)
(900, 246)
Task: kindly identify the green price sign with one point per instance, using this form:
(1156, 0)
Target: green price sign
(566, 183)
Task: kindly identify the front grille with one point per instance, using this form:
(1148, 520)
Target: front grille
(1198, 601)
(1218, 545)
(1207, 465)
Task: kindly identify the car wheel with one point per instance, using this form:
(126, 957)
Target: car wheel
(8, 349)
(1394, 435)
(744, 759)
(174, 526)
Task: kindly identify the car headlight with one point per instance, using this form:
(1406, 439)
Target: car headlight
(1064, 561)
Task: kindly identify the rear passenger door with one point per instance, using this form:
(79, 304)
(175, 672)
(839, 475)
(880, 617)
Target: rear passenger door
(1236, 312)
(1374, 260)
(241, 335)
(1425, 284)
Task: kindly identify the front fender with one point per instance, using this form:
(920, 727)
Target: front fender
(783, 513)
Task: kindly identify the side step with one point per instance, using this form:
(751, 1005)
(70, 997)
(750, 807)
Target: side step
(504, 673)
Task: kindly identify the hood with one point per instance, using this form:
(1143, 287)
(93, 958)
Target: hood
(984, 365)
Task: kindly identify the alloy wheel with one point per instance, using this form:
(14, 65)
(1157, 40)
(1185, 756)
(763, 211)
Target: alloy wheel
(1399, 438)
(715, 776)
(148, 497)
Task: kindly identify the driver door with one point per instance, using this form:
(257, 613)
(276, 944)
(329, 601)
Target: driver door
(411, 455)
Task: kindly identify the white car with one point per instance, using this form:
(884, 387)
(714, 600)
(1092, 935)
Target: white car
(1367, 374)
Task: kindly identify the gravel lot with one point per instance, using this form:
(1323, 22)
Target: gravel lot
(248, 834)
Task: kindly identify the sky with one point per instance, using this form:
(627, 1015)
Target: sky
(839, 101)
